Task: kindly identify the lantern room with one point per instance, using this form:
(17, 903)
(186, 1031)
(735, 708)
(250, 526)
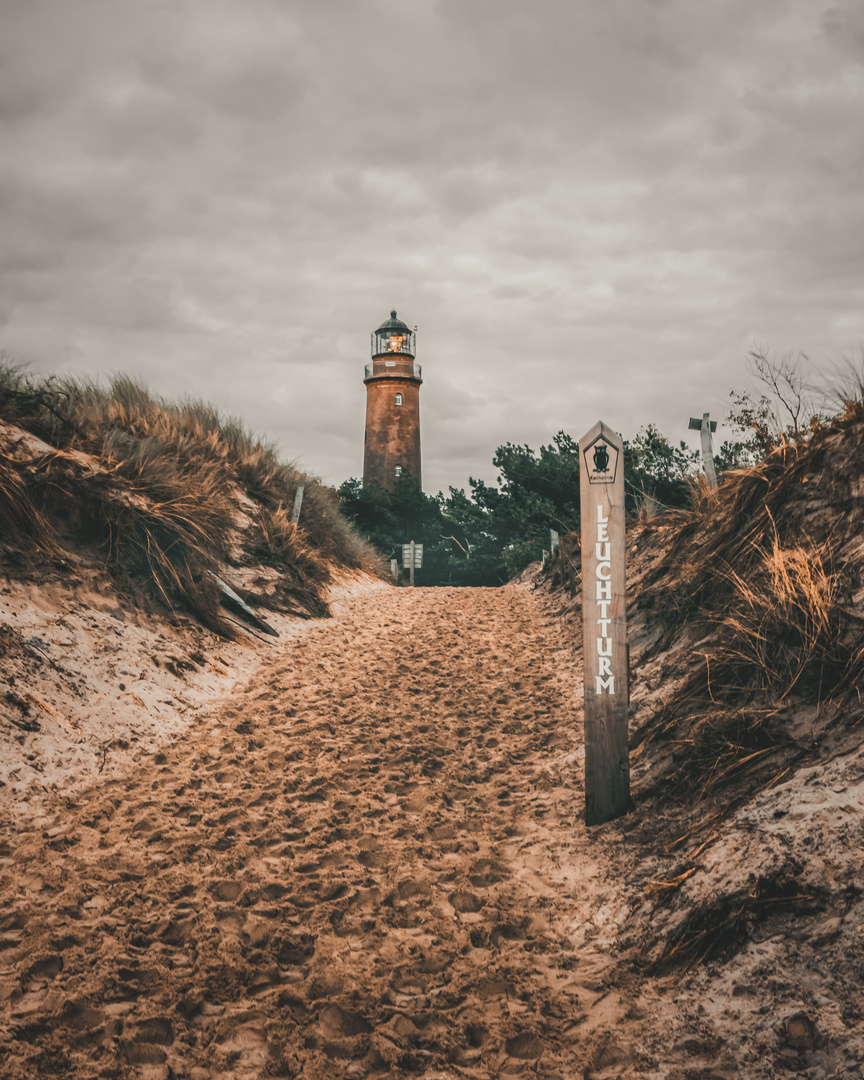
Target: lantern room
(393, 337)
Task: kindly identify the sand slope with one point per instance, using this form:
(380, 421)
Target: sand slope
(91, 681)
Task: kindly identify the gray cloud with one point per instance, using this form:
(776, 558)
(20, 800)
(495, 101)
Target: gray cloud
(588, 209)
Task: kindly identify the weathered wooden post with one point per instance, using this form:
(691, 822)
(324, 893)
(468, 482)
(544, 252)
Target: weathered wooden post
(706, 425)
(394, 569)
(412, 564)
(298, 502)
(604, 625)
(553, 541)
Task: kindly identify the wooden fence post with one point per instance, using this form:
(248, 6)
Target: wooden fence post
(604, 625)
(706, 425)
(298, 502)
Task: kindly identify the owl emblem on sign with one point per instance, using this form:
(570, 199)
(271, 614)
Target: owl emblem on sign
(601, 457)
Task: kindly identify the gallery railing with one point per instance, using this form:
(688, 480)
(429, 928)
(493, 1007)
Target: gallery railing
(380, 368)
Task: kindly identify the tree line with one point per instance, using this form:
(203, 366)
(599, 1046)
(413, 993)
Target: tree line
(489, 534)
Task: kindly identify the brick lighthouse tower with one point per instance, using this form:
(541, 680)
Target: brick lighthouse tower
(392, 447)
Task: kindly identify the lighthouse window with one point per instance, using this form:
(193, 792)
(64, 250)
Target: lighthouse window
(398, 399)
(398, 470)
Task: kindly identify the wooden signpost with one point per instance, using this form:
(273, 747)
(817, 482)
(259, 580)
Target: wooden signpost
(604, 625)
(706, 425)
(412, 558)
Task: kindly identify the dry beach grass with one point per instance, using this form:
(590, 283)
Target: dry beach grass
(172, 494)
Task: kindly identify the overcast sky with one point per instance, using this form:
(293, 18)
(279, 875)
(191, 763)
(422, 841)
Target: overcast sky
(589, 209)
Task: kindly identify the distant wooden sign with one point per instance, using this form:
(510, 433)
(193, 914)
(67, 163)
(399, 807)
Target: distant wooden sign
(412, 559)
(706, 425)
(604, 625)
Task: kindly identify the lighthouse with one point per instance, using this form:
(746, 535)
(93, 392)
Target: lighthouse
(392, 447)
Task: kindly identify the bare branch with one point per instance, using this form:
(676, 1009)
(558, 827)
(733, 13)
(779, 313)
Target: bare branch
(788, 380)
(456, 542)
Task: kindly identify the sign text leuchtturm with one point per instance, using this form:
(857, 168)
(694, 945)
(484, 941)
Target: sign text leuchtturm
(604, 623)
(604, 680)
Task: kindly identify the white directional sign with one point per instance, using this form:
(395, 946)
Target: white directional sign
(418, 556)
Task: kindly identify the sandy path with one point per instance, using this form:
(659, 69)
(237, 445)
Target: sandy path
(371, 863)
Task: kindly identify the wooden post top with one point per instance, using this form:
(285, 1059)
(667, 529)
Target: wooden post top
(601, 452)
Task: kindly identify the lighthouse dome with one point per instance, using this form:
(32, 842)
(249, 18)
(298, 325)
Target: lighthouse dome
(393, 324)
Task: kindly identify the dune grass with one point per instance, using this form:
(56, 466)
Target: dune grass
(768, 572)
(172, 493)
